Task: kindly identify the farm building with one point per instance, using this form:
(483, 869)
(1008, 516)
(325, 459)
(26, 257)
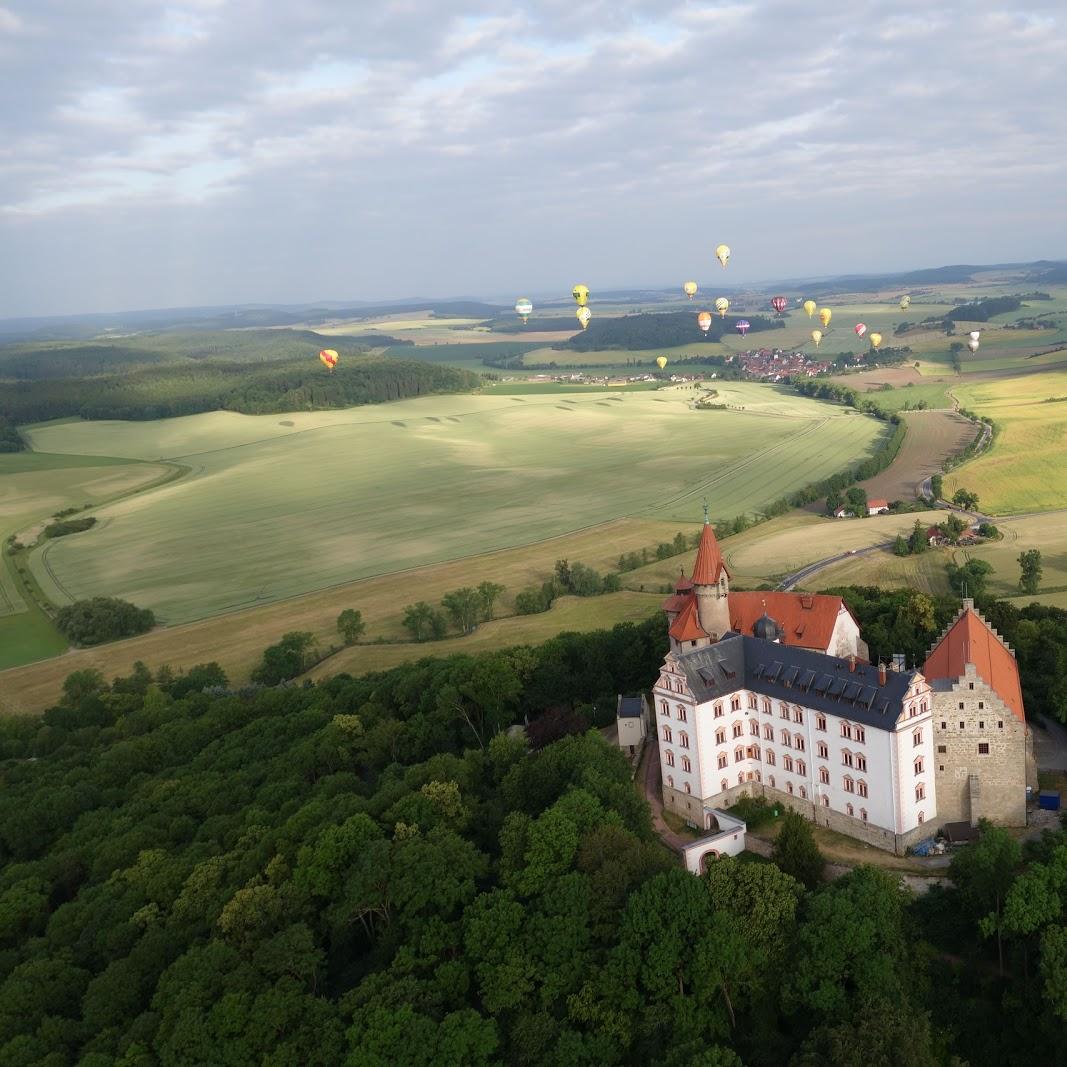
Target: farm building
(877, 506)
(631, 719)
(784, 704)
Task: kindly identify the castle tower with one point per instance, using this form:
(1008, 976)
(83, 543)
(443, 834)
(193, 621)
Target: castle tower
(711, 584)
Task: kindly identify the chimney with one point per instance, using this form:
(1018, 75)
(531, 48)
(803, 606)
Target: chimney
(881, 674)
(852, 663)
(898, 661)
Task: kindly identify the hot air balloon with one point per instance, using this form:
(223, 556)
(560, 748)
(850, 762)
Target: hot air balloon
(743, 326)
(661, 362)
(722, 254)
(975, 335)
(816, 336)
(809, 307)
(779, 303)
(690, 289)
(825, 315)
(523, 307)
(704, 320)
(860, 328)
(973, 343)
(329, 358)
(584, 315)
(905, 302)
(722, 305)
(876, 340)
(581, 294)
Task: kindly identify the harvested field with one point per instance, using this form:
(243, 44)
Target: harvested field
(932, 437)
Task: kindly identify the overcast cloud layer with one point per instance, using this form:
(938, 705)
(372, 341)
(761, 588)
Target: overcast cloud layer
(210, 152)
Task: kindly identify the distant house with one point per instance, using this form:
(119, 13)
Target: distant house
(877, 506)
(631, 717)
(843, 513)
(934, 536)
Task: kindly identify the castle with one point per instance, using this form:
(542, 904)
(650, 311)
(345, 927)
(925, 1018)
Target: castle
(771, 694)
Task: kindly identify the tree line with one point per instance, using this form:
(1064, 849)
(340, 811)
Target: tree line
(10, 439)
(660, 330)
(173, 389)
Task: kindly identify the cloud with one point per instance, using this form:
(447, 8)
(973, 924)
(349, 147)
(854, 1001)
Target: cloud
(356, 150)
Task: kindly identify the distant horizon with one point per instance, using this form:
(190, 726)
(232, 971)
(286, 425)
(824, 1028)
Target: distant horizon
(505, 301)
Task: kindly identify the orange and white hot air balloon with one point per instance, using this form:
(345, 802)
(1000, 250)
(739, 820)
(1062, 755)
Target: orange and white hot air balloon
(704, 321)
(329, 358)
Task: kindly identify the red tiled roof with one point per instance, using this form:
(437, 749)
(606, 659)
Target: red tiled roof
(683, 585)
(877, 502)
(806, 620)
(970, 640)
(709, 565)
(687, 626)
(676, 602)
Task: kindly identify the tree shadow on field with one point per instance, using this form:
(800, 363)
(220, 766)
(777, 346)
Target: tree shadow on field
(402, 425)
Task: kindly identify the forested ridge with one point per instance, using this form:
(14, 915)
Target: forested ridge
(370, 872)
(666, 329)
(186, 388)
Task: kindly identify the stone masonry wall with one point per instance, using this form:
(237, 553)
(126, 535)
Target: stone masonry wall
(973, 716)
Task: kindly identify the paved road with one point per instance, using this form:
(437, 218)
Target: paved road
(1050, 746)
(649, 777)
(813, 568)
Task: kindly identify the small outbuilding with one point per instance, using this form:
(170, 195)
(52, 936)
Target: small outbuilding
(632, 717)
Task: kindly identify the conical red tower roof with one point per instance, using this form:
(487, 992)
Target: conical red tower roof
(709, 565)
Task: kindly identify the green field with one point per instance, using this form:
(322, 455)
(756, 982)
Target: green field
(1026, 470)
(33, 486)
(279, 505)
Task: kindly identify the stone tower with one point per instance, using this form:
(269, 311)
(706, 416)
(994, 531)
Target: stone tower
(711, 584)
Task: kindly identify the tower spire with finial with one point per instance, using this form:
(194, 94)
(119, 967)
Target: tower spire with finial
(706, 519)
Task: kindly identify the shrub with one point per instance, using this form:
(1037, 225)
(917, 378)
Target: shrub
(100, 619)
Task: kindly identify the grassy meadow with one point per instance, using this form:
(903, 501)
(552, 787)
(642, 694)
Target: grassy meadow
(1026, 470)
(280, 505)
(33, 486)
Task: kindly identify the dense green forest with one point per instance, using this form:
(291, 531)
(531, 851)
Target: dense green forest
(660, 330)
(370, 872)
(983, 309)
(185, 388)
(10, 439)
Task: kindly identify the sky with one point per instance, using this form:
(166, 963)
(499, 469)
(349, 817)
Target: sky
(158, 154)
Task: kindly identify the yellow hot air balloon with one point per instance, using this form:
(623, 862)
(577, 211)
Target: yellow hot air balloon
(581, 294)
(704, 320)
(329, 359)
(690, 289)
(722, 305)
(809, 307)
(661, 362)
(905, 301)
(816, 336)
(722, 254)
(584, 315)
(825, 315)
(876, 339)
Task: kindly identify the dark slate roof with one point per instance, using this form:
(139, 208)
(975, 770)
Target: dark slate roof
(798, 675)
(629, 707)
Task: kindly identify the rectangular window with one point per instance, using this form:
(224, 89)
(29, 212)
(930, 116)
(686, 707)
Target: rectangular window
(861, 788)
(861, 762)
(981, 724)
(920, 792)
(942, 748)
(981, 705)
(769, 758)
(718, 711)
(961, 705)
(738, 729)
(686, 765)
(822, 750)
(919, 765)
(787, 763)
(798, 743)
(860, 735)
(766, 706)
(798, 716)
(753, 727)
(944, 726)
(681, 713)
(688, 788)
(723, 760)
(1000, 725)
(752, 701)
(802, 767)
(666, 733)
(917, 738)
(983, 748)
(820, 722)
(824, 776)
(735, 704)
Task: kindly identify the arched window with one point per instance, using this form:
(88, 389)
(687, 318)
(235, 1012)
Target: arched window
(666, 733)
(783, 711)
(752, 752)
(846, 758)
(720, 735)
(723, 786)
(920, 792)
(670, 758)
(820, 721)
(718, 711)
(861, 761)
(753, 727)
(922, 817)
(861, 788)
(766, 706)
(846, 730)
(798, 742)
(770, 781)
(686, 765)
(824, 776)
(688, 788)
(917, 738)
(768, 732)
(863, 814)
(752, 701)
(789, 788)
(802, 768)
(798, 716)
(849, 809)
(787, 739)
(735, 703)
(670, 781)
(724, 760)
(923, 705)
(850, 786)
(822, 750)
(759, 777)
(681, 713)
(741, 779)
(803, 793)
(739, 728)
(787, 763)
(825, 801)
(663, 708)
(739, 754)
(768, 757)
(859, 734)
(683, 739)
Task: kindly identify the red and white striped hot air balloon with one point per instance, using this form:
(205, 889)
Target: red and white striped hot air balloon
(860, 328)
(779, 304)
